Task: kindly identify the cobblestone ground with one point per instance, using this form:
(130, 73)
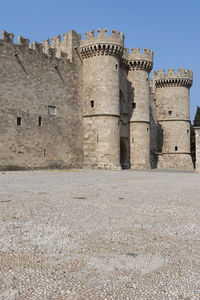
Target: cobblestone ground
(85, 234)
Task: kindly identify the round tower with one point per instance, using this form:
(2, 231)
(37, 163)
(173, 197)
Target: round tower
(101, 138)
(173, 117)
(140, 65)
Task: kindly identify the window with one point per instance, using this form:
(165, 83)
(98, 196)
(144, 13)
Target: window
(170, 113)
(51, 110)
(147, 129)
(133, 105)
(44, 152)
(19, 121)
(40, 121)
(116, 66)
(92, 103)
(188, 131)
(176, 148)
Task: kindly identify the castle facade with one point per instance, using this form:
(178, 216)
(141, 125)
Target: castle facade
(77, 103)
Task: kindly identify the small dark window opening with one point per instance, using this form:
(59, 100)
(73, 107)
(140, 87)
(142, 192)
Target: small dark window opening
(170, 112)
(147, 79)
(40, 121)
(147, 129)
(19, 121)
(44, 152)
(133, 105)
(116, 66)
(188, 131)
(92, 103)
(176, 148)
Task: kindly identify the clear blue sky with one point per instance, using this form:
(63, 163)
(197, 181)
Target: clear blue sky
(170, 28)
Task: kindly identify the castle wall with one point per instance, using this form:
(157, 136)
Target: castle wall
(197, 145)
(30, 82)
(74, 103)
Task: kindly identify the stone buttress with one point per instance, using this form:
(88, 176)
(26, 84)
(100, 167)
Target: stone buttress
(101, 140)
(173, 117)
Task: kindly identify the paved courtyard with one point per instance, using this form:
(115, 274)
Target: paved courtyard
(85, 234)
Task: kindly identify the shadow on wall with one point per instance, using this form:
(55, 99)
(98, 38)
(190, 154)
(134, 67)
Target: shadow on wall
(131, 97)
(156, 140)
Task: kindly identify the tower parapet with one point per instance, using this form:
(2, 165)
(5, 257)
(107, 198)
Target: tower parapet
(183, 78)
(102, 44)
(141, 61)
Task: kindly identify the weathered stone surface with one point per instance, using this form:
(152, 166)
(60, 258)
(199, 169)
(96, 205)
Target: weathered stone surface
(74, 103)
(197, 144)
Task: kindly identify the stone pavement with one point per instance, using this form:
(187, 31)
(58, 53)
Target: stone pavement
(86, 234)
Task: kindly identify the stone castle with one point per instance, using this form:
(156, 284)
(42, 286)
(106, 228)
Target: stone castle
(77, 103)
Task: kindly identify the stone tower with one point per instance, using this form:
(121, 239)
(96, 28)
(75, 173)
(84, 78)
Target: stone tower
(173, 117)
(101, 56)
(140, 65)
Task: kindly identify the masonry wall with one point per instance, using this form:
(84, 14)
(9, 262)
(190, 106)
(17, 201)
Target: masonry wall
(173, 116)
(101, 120)
(29, 83)
(139, 121)
(197, 145)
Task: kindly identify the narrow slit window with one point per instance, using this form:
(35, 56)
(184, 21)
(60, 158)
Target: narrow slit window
(188, 131)
(133, 105)
(116, 66)
(44, 152)
(170, 113)
(92, 103)
(176, 148)
(147, 129)
(19, 121)
(40, 121)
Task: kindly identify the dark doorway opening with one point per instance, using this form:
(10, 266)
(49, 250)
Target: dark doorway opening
(124, 157)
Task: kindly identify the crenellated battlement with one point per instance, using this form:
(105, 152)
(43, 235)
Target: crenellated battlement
(56, 41)
(36, 46)
(102, 44)
(53, 54)
(8, 37)
(23, 42)
(141, 60)
(137, 54)
(181, 78)
(116, 37)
